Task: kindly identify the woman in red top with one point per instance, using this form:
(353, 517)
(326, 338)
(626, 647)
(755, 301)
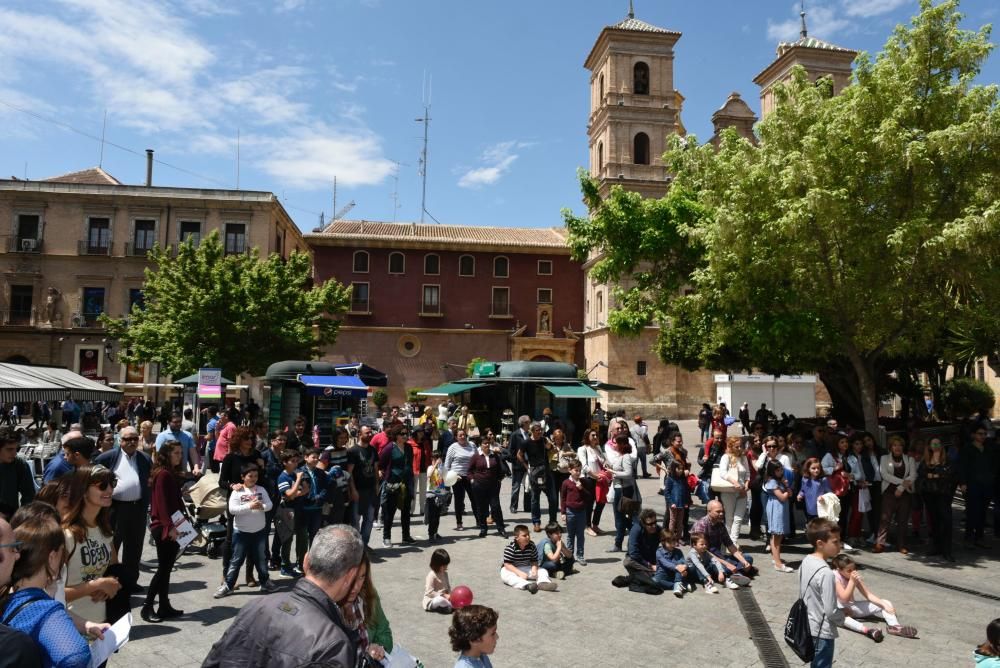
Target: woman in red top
(165, 500)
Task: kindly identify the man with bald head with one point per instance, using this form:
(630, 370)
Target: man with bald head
(129, 502)
(18, 648)
(713, 526)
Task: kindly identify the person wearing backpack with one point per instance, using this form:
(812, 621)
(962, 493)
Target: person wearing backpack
(818, 589)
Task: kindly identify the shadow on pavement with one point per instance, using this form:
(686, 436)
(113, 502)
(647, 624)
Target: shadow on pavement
(143, 631)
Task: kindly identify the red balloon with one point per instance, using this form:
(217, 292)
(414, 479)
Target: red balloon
(461, 596)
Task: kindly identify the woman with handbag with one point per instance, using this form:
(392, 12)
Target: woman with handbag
(621, 463)
(730, 480)
(457, 459)
(165, 500)
(564, 453)
(595, 478)
(486, 473)
(396, 464)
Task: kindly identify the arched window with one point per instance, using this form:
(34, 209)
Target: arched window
(600, 87)
(466, 265)
(432, 264)
(600, 303)
(501, 267)
(640, 79)
(397, 263)
(640, 149)
(600, 157)
(360, 262)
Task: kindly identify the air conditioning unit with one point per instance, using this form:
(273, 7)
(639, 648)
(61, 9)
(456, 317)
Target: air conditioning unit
(28, 244)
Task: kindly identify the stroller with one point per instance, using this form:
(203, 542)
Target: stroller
(205, 502)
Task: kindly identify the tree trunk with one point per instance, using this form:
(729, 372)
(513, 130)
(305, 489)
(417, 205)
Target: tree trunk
(841, 384)
(867, 388)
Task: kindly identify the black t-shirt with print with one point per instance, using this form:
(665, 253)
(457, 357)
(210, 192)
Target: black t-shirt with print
(363, 460)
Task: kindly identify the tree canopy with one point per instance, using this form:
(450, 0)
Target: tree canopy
(236, 312)
(861, 229)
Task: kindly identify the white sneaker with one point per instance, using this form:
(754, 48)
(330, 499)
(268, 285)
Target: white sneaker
(711, 589)
(848, 548)
(377, 524)
(731, 585)
(386, 542)
(222, 591)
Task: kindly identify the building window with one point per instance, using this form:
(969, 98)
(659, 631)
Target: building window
(640, 79)
(21, 297)
(600, 89)
(501, 267)
(360, 298)
(236, 238)
(98, 235)
(545, 267)
(640, 149)
(500, 304)
(600, 303)
(361, 262)
(466, 266)
(640, 368)
(431, 300)
(136, 298)
(191, 229)
(93, 305)
(29, 233)
(432, 264)
(397, 263)
(544, 295)
(980, 368)
(143, 237)
(600, 157)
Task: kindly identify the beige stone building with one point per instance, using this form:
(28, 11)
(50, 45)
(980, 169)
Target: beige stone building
(74, 247)
(633, 110)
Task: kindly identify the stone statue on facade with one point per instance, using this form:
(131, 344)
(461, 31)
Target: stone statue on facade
(52, 313)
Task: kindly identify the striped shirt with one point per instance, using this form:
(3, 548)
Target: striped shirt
(520, 558)
(458, 458)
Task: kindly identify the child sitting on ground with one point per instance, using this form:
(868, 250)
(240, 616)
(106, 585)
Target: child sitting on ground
(987, 655)
(848, 582)
(437, 588)
(520, 564)
(555, 556)
(473, 632)
(671, 569)
(703, 566)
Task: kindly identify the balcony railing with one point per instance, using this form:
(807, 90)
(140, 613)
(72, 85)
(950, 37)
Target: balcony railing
(361, 307)
(133, 250)
(430, 309)
(84, 247)
(18, 317)
(18, 244)
(501, 311)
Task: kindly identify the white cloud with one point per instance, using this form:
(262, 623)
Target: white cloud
(822, 21)
(208, 7)
(146, 64)
(289, 5)
(869, 8)
(495, 162)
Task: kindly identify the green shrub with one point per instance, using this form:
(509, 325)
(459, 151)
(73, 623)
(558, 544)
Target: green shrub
(963, 397)
(380, 398)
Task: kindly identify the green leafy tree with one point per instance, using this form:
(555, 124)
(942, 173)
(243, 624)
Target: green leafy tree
(380, 398)
(855, 233)
(237, 312)
(470, 368)
(964, 397)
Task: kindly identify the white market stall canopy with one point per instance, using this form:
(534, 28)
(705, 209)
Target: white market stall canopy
(794, 394)
(21, 382)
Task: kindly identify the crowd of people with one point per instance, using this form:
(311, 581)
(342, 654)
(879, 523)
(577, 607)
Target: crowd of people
(281, 491)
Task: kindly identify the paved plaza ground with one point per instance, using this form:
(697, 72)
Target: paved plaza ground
(589, 622)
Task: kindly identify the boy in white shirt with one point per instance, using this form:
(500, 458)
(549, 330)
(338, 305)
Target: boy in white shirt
(248, 504)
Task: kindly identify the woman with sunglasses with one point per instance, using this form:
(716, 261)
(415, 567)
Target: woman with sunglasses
(165, 500)
(593, 460)
(89, 539)
(396, 464)
(29, 606)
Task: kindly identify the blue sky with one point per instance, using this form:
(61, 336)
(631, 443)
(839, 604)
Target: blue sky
(318, 88)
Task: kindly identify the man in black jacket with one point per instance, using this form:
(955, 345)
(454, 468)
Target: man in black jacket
(259, 636)
(129, 503)
(517, 470)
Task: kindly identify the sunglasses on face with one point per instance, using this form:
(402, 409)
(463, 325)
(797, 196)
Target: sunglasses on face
(129, 439)
(649, 524)
(104, 484)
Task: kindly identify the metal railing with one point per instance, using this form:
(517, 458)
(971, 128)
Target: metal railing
(19, 244)
(18, 318)
(84, 247)
(430, 309)
(132, 250)
(361, 307)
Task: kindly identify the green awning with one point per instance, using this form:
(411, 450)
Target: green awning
(575, 391)
(447, 389)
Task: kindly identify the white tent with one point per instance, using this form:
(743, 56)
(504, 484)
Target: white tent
(21, 383)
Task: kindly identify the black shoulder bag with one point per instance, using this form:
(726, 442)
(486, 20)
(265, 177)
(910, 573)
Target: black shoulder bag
(798, 635)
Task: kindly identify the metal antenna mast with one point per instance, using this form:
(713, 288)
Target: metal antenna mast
(803, 33)
(426, 120)
(100, 161)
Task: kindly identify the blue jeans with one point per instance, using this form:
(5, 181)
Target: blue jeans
(725, 556)
(667, 577)
(566, 566)
(622, 522)
(712, 569)
(365, 512)
(576, 524)
(823, 657)
(248, 545)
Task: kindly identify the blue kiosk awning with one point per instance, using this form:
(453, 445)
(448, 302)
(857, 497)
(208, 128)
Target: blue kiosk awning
(334, 386)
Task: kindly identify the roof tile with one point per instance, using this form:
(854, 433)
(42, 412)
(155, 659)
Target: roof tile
(448, 234)
(636, 25)
(92, 176)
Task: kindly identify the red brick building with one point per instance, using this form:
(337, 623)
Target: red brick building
(429, 298)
